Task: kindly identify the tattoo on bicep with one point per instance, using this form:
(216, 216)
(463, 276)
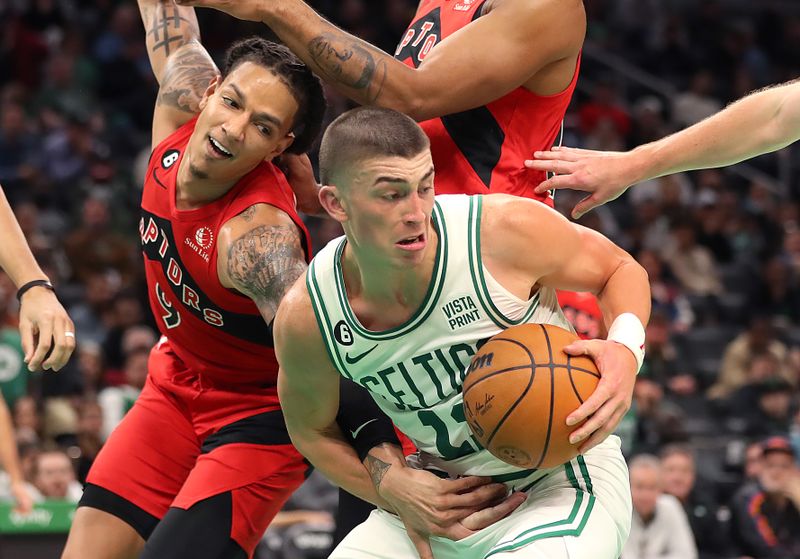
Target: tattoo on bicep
(377, 468)
(248, 214)
(265, 262)
(349, 64)
(168, 30)
(186, 77)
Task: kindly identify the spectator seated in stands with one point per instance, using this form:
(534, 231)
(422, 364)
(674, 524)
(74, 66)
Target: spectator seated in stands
(766, 516)
(660, 528)
(708, 521)
(117, 400)
(763, 406)
(738, 357)
(54, 478)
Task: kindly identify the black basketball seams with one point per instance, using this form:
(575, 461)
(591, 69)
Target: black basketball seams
(490, 375)
(571, 380)
(513, 406)
(546, 444)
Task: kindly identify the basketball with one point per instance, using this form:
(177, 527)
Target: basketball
(519, 390)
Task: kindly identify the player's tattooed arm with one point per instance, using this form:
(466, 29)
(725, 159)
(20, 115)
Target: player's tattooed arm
(377, 468)
(263, 260)
(181, 65)
(350, 62)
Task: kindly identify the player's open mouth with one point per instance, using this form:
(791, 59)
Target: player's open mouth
(218, 149)
(412, 243)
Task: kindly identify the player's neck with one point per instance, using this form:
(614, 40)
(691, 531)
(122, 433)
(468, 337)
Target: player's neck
(373, 286)
(193, 190)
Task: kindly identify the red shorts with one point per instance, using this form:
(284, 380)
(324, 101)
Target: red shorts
(183, 442)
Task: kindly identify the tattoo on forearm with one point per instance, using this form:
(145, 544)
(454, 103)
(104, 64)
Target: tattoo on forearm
(265, 262)
(185, 79)
(377, 468)
(168, 30)
(348, 63)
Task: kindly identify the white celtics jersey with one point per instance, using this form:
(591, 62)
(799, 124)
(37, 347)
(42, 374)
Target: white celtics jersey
(415, 371)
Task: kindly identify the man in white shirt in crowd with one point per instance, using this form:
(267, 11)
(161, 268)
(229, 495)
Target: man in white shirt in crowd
(660, 529)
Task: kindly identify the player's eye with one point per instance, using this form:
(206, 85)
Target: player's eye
(265, 130)
(230, 102)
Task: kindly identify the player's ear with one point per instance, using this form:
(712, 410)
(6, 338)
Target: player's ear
(212, 87)
(331, 199)
(281, 146)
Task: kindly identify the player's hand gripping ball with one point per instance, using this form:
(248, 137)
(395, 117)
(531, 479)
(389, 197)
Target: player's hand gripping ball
(519, 390)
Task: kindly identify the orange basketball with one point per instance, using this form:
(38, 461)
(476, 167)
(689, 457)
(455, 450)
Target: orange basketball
(519, 390)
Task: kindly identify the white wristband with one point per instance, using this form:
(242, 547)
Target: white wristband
(627, 330)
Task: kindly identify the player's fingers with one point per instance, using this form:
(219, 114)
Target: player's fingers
(43, 344)
(466, 483)
(601, 434)
(586, 205)
(596, 421)
(601, 395)
(488, 516)
(421, 543)
(64, 343)
(26, 332)
(478, 497)
(559, 182)
(557, 166)
(582, 347)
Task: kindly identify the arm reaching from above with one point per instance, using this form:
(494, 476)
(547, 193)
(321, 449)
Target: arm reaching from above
(181, 65)
(43, 322)
(760, 123)
(458, 74)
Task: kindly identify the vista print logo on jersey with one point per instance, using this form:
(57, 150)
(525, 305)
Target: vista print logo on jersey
(461, 312)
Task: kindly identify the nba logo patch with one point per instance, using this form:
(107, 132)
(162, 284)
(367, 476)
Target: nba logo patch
(464, 5)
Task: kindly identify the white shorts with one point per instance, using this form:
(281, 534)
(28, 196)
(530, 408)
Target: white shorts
(579, 511)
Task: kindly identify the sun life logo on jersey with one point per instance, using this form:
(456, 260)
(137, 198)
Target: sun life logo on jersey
(460, 312)
(203, 239)
(464, 5)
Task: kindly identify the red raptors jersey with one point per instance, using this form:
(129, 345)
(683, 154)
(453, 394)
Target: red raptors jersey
(482, 150)
(216, 332)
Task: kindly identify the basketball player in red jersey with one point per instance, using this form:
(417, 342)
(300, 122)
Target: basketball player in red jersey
(488, 80)
(202, 462)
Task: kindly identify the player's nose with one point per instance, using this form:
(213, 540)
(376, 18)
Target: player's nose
(415, 209)
(235, 127)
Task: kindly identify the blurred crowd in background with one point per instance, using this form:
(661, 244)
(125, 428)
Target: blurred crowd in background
(722, 247)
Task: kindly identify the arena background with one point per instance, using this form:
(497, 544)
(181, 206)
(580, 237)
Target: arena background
(722, 247)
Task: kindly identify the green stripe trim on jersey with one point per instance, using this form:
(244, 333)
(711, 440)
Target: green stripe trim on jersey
(513, 476)
(471, 234)
(428, 304)
(573, 525)
(478, 273)
(585, 473)
(323, 320)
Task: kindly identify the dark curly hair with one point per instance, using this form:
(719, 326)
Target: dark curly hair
(305, 86)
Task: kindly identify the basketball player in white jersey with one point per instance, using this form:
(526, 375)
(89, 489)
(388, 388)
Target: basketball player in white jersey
(378, 306)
